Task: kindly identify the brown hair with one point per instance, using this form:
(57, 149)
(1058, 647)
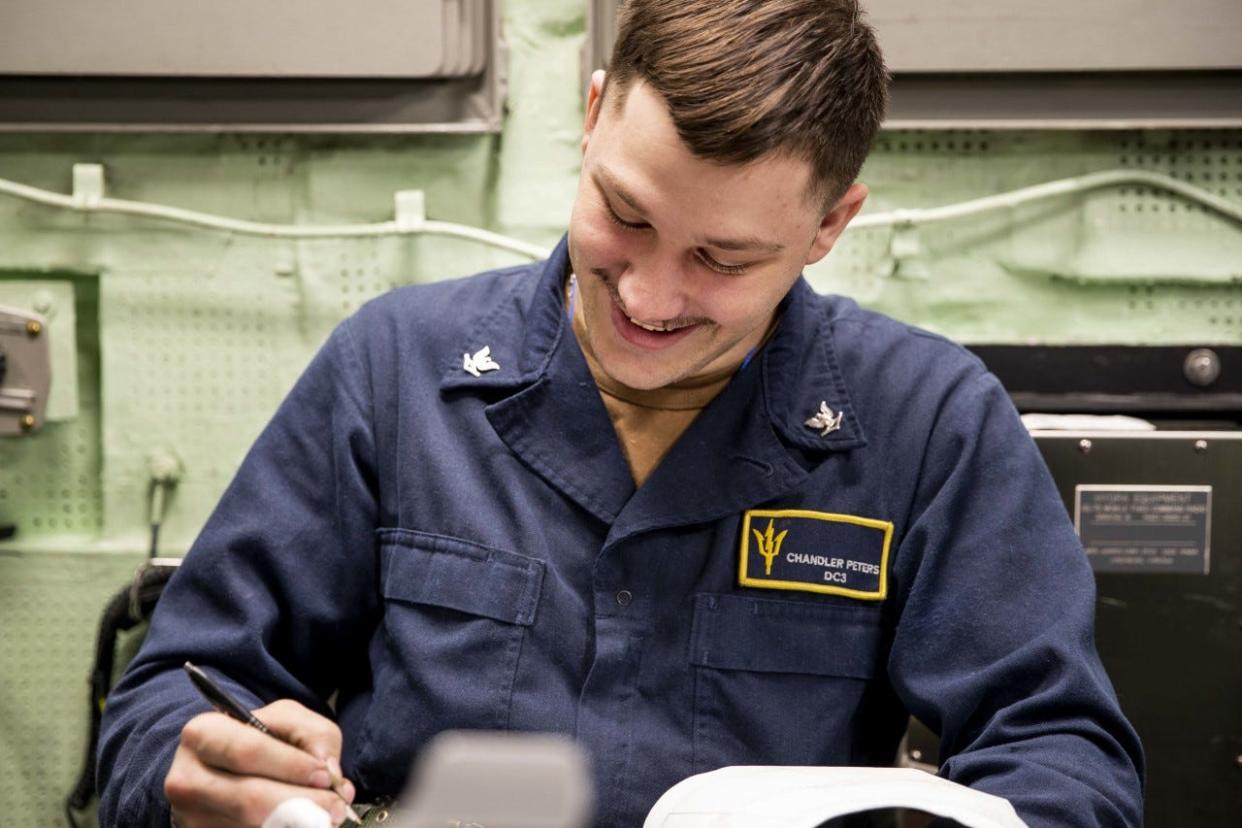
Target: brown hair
(746, 78)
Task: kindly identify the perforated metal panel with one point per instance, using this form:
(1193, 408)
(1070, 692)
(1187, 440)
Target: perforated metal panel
(49, 609)
(203, 361)
(1116, 265)
(362, 273)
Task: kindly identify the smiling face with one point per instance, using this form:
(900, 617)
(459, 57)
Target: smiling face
(681, 261)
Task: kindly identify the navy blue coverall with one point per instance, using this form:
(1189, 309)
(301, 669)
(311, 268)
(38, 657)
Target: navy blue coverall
(445, 550)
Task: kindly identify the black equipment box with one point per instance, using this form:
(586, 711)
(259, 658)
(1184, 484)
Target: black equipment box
(1160, 515)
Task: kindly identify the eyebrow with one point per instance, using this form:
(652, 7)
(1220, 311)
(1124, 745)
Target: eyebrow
(615, 186)
(744, 243)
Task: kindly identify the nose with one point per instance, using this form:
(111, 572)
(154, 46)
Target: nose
(653, 288)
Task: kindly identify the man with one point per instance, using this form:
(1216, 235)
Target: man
(653, 493)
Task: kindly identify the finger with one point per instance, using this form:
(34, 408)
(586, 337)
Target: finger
(225, 744)
(298, 725)
(187, 794)
(347, 791)
(202, 795)
(339, 783)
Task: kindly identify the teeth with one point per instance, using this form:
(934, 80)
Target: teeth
(655, 328)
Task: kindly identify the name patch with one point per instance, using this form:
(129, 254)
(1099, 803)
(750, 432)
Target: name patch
(810, 551)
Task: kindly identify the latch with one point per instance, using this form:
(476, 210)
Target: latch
(25, 371)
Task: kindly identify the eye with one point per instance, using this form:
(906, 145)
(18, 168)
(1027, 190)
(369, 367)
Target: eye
(720, 267)
(620, 222)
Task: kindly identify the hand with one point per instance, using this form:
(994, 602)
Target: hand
(225, 773)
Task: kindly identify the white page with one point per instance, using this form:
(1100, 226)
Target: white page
(804, 797)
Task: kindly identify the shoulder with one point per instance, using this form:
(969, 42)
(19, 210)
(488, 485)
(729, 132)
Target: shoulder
(902, 377)
(870, 340)
(417, 320)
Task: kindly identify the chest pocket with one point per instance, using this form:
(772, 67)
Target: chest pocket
(455, 617)
(781, 682)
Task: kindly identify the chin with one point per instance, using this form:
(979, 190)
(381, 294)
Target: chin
(641, 374)
(634, 376)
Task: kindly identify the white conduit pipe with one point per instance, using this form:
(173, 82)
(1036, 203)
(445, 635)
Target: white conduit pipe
(88, 198)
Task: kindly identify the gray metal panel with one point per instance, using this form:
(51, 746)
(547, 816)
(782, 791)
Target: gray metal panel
(601, 34)
(1114, 100)
(105, 104)
(224, 38)
(995, 46)
(1058, 35)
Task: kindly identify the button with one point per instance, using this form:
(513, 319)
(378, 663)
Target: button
(625, 597)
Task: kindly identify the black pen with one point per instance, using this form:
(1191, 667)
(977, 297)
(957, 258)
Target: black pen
(232, 708)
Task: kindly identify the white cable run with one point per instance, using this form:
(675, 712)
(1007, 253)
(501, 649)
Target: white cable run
(92, 202)
(89, 199)
(1061, 187)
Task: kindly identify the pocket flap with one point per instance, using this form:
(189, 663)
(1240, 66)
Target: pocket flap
(421, 568)
(736, 632)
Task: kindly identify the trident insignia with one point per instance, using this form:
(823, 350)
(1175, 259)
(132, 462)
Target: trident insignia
(769, 547)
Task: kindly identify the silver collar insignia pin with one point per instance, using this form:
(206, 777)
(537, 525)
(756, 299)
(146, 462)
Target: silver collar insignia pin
(825, 419)
(481, 361)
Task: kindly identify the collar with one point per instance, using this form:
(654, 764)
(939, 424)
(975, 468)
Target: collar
(545, 405)
(521, 330)
(799, 362)
(802, 373)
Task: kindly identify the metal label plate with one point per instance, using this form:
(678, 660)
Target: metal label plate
(1145, 529)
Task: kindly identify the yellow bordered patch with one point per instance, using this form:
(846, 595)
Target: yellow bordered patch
(808, 551)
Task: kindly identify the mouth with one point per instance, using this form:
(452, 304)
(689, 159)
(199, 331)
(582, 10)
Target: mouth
(645, 335)
(648, 337)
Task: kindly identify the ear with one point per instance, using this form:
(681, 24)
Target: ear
(595, 97)
(834, 222)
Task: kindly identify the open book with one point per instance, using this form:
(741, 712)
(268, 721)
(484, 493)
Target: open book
(798, 797)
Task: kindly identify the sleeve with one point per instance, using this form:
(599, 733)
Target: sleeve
(277, 593)
(994, 647)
